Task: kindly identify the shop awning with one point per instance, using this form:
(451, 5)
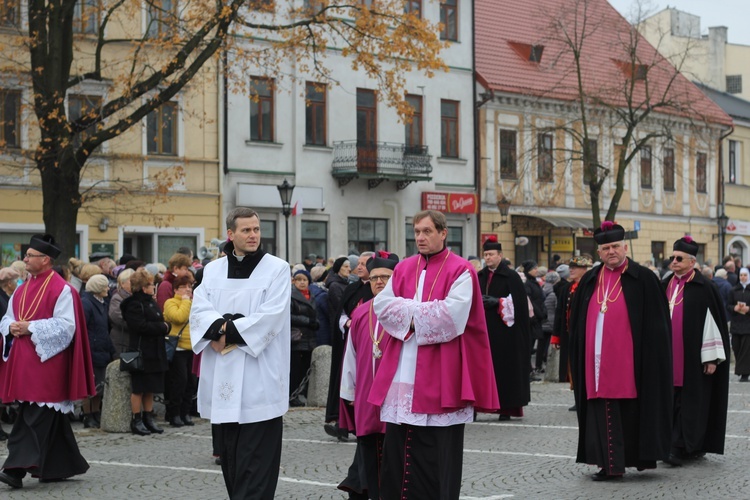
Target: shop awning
(560, 221)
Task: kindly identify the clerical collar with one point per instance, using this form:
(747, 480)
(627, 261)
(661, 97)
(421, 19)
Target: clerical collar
(618, 268)
(681, 276)
(43, 274)
(238, 257)
(428, 256)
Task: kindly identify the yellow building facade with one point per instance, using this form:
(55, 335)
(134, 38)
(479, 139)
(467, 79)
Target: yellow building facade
(147, 192)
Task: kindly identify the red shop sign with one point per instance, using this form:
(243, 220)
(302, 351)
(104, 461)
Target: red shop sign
(450, 203)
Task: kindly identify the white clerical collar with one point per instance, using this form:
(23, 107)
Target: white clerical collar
(238, 257)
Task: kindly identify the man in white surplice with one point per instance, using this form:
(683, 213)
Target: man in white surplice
(241, 312)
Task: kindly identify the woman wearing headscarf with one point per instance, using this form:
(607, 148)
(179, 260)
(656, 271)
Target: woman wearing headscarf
(739, 311)
(100, 343)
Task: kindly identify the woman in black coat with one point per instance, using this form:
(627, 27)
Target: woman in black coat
(304, 331)
(739, 315)
(100, 343)
(147, 331)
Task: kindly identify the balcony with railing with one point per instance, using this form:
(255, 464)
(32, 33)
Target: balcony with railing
(380, 161)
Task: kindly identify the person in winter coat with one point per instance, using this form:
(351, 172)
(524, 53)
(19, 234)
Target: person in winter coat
(550, 304)
(179, 377)
(147, 331)
(536, 296)
(119, 331)
(320, 295)
(100, 343)
(739, 312)
(725, 289)
(304, 331)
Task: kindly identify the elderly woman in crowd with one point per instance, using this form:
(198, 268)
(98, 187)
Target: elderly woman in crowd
(8, 282)
(147, 331)
(19, 267)
(739, 311)
(180, 377)
(119, 333)
(304, 331)
(102, 349)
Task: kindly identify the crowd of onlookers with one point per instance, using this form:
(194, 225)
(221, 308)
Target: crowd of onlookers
(130, 304)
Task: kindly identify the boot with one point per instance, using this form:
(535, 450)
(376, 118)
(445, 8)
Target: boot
(148, 421)
(89, 422)
(137, 427)
(187, 419)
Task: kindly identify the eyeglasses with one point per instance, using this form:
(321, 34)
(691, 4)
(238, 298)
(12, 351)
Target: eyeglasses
(381, 277)
(678, 258)
(32, 255)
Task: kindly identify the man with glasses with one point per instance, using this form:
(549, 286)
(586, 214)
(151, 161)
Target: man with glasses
(700, 349)
(364, 349)
(621, 364)
(47, 366)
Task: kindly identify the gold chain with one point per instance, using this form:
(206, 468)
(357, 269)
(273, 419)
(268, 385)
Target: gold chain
(600, 291)
(23, 313)
(376, 352)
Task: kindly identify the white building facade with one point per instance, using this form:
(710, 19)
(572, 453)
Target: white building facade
(359, 173)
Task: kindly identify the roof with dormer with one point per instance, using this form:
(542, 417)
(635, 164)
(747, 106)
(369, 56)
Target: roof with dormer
(524, 48)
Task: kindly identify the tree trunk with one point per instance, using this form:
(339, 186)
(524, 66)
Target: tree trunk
(61, 202)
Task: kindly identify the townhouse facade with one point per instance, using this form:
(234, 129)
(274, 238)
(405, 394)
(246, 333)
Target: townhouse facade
(719, 67)
(530, 142)
(149, 191)
(359, 173)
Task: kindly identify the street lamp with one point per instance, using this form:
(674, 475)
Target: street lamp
(723, 222)
(504, 207)
(285, 191)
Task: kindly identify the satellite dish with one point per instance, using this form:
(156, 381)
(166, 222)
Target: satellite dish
(521, 241)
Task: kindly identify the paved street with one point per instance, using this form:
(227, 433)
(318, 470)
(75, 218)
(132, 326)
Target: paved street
(529, 458)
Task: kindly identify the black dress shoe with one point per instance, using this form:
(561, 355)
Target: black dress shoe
(187, 420)
(332, 429)
(504, 418)
(12, 481)
(673, 460)
(573, 408)
(50, 480)
(603, 476)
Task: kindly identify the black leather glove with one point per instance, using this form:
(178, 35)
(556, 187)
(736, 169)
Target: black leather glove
(490, 302)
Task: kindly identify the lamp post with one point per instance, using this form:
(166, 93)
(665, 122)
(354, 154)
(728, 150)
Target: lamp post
(285, 191)
(723, 221)
(504, 207)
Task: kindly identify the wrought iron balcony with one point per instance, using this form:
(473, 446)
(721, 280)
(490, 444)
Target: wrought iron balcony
(380, 161)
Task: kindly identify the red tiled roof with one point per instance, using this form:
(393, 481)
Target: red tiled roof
(507, 29)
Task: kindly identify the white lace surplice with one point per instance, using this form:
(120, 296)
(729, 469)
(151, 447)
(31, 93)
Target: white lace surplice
(435, 322)
(50, 336)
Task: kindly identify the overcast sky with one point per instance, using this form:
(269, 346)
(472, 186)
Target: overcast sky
(734, 14)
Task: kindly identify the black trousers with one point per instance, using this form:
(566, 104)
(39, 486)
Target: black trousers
(42, 444)
(422, 462)
(612, 435)
(180, 384)
(371, 454)
(251, 458)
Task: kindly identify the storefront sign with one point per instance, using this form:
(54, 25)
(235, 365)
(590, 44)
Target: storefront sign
(108, 248)
(450, 203)
(562, 243)
(738, 227)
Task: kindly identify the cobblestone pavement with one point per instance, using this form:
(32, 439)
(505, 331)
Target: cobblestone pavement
(528, 458)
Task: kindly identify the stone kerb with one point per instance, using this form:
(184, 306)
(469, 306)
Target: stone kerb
(116, 412)
(317, 391)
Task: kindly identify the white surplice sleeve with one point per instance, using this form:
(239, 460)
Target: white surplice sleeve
(270, 319)
(349, 371)
(10, 317)
(441, 321)
(53, 335)
(435, 322)
(202, 316)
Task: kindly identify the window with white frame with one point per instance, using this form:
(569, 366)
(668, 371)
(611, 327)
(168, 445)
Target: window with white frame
(161, 130)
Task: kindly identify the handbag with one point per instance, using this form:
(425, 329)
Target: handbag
(131, 361)
(170, 343)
